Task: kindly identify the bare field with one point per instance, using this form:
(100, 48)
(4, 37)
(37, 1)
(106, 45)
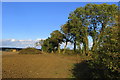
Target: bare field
(37, 66)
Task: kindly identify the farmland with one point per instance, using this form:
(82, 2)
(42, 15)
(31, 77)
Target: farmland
(37, 65)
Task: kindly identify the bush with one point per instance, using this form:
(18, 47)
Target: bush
(29, 51)
(107, 57)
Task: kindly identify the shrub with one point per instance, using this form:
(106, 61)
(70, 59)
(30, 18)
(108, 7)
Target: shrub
(107, 57)
(29, 51)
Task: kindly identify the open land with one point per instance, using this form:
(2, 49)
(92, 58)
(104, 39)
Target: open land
(16, 65)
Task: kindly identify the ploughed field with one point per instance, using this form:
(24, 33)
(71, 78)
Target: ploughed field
(16, 65)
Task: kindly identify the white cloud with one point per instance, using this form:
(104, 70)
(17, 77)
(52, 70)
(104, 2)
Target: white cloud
(13, 40)
(17, 43)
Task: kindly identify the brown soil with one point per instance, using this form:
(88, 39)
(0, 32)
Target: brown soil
(37, 66)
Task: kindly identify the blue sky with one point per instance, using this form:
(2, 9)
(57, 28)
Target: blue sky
(35, 20)
(60, 0)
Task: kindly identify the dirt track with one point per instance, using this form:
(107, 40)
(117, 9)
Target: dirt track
(37, 66)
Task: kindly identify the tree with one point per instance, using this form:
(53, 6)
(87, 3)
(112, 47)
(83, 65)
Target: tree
(106, 52)
(39, 43)
(65, 29)
(79, 29)
(52, 43)
(57, 37)
(91, 20)
(108, 55)
(100, 16)
(49, 45)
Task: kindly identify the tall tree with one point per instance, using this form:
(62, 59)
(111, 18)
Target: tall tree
(79, 29)
(100, 16)
(92, 18)
(65, 29)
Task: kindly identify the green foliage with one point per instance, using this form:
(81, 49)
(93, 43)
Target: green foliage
(52, 44)
(49, 45)
(57, 36)
(30, 51)
(101, 21)
(101, 17)
(68, 37)
(108, 55)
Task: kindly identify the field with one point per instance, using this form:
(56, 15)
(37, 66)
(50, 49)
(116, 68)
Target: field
(16, 65)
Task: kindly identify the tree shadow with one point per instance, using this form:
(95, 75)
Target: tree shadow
(81, 71)
(84, 71)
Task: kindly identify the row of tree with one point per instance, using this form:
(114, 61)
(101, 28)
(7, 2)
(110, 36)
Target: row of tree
(90, 20)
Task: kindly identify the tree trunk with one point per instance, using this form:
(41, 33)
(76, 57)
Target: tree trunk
(79, 47)
(86, 46)
(75, 45)
(94, 45)
(96, 42)
(65, 47)
(58, 48)
(52, 51)
(83, 49)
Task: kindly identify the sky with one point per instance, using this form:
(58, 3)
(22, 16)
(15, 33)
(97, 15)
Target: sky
(31, 21)
(60, 0)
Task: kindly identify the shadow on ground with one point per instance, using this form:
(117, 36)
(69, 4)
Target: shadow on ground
(83, 71)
